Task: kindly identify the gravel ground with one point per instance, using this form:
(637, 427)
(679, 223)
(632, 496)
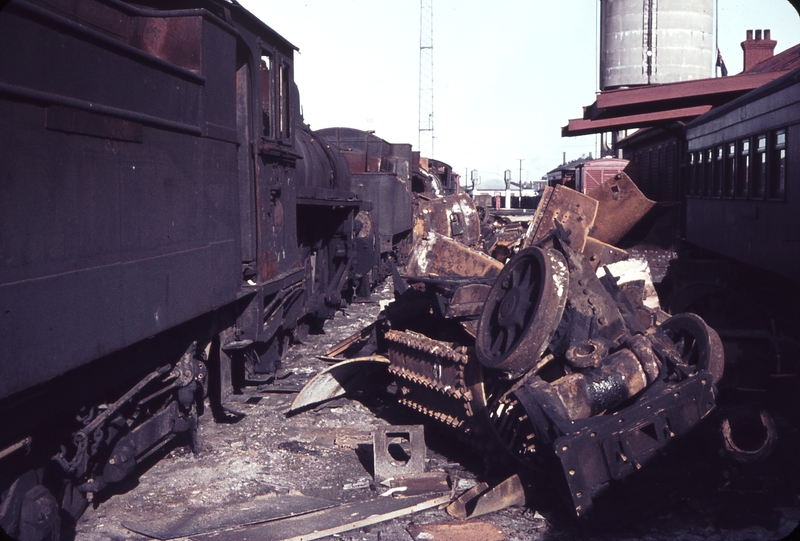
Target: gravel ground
(326, 453)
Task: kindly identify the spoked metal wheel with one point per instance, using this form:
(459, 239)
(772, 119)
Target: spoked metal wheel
(697, 343)
(522, 311)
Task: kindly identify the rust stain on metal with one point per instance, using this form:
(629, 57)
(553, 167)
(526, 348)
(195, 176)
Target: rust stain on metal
(468, 300)
(437, 255)
(422, 483)
(481, 500)
(621, 205)
(457, 531)
(453, 216)
(574, 210)
(174, 39)
(599, 253)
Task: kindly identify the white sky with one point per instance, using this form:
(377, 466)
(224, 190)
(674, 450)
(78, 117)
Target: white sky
(508, 74)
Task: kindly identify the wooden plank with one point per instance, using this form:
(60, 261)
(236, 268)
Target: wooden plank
(330, 521)
(208, 519)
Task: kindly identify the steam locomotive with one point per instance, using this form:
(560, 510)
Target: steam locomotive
(169, 227)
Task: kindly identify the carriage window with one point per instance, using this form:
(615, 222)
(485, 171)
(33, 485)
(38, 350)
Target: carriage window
(284, 86)
(700, 171)
(730, 170)
(777, 159)
(266, 111)
(717, 175)
(692, 188)
(743, 169)
(760, 167)
(708, 172)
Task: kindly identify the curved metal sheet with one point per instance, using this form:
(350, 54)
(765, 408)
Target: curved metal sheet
(335, 381)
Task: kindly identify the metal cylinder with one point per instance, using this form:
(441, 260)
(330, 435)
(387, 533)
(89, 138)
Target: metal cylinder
(592, 391)
(655, 41)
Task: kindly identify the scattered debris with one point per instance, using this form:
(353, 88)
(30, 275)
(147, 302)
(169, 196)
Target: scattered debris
(354, 340)
(437, 255)
(473, 530)
(560, 360)
(421, 483)
(481, 500)
(329, 521)
(210, 519)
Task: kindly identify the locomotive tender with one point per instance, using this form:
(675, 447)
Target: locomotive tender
(169, 226)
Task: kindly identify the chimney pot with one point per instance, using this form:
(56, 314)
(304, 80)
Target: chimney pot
(757, 50)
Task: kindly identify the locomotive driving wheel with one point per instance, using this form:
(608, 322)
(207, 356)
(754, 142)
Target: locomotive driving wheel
(522, 311)
(697, 343)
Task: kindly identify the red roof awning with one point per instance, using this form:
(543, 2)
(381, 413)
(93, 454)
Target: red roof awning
(580, 126)
(651, 105)
(699, 88)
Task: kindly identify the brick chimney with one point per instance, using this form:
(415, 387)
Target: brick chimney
(758, 49)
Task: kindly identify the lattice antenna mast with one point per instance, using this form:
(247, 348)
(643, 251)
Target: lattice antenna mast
(425, 126)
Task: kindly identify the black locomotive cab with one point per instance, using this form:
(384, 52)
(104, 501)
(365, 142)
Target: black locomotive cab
(168, 226)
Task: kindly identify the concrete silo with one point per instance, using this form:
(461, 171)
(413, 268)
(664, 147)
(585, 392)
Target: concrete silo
(655, 41)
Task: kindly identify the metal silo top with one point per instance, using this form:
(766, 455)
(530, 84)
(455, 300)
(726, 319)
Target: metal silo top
(655, 41)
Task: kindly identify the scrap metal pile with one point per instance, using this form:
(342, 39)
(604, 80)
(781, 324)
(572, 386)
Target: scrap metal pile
(559, 362)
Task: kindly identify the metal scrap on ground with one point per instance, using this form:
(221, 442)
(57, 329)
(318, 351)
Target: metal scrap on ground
(329, 521)
(549, 362)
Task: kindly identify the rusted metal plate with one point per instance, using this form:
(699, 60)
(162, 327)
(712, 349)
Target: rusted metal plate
(437, 255)
(209, 519)
(457, 531)
(398, 450)
(612, 447)
(453, 216)
(574, 210)
(468, 300)
(354, 339)
(481, 500)
(422, 483)
(599, 253)
(620, 206)
(335, 381)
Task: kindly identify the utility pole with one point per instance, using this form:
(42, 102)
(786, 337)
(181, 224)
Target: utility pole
(520, 182)
(425, 124)
(507, 179)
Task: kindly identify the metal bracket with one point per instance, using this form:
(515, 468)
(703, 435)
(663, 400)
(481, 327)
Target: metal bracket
(398, 450)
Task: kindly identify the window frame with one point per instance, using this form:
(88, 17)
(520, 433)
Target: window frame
(743, 163)
(760, 168)
(776, 164)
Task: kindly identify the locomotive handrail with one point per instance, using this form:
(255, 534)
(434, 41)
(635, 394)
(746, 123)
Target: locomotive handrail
(56, 99)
